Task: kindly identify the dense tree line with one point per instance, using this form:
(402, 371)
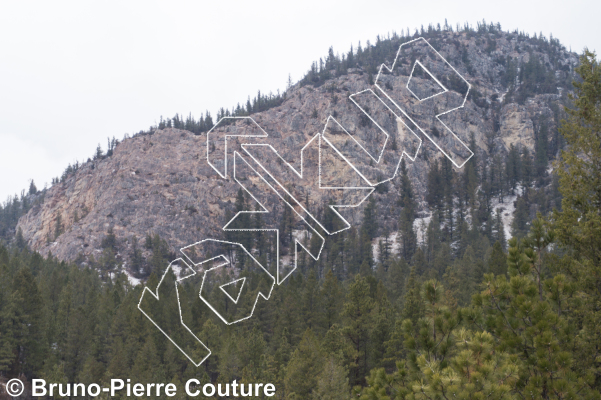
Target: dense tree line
(523, 80)
(13, 208)
(535, 76)
(463, 313)
(261, 102)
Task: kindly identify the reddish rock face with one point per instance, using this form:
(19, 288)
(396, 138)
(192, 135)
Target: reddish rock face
(162, 183)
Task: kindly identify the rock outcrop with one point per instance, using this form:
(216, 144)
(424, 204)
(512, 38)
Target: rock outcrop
(161, 182)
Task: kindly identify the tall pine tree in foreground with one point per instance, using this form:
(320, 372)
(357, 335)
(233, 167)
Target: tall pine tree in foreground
(578, 225)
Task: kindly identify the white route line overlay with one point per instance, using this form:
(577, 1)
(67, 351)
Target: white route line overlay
(320, 136)
(243, 279)
(372, 120)
(238, 156)
(444, 89)
(221, 265)
(333, 207)
(404, 153)
(156, 296)
(437, 94)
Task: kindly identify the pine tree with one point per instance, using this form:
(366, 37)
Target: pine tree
(332, 382)
(32, 188)
(229, 366)
(441, 261)
(370, 224)
(20, 240)
(396, 276)
(365, 253)
(433, 237)
(419, 262)
(212, 338)
(407, 197)
(7, 320)
(408, 237)
(330, 301)
(519, 225)
(358, 311)
(412, 302)
(304, 368)
(382, 328)
(469, 178)
(448, 206)
(408, 208)
(476, 370)
(98, 154)
(137, 261)
(435, 189)
(282, 354)
(498, 229)
(58, 226)
(527, 168)
(352, 252)
(145, 366)
(443, 361)
(578, 225)
(260, 241)
(433, 329)
(160, 254)
(498, 181)
(541, 149)
(243, 221)
(110, 240)
(30, 336)
(384, 248)
(310, 301)
(532, 326)
(251, 351)
(468, 272)
(497, 263)
(513, 168)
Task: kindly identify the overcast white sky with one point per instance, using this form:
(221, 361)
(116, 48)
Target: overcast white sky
(73, 73)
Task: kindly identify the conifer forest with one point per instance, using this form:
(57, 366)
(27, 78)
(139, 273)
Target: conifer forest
(470, 307)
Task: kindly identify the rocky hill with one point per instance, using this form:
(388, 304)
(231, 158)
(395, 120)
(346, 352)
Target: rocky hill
(160, 182)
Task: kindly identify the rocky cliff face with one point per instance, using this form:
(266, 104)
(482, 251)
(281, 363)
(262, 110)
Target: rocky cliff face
(162, 183)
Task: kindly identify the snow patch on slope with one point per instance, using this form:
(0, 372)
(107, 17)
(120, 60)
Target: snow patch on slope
(507, 209)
